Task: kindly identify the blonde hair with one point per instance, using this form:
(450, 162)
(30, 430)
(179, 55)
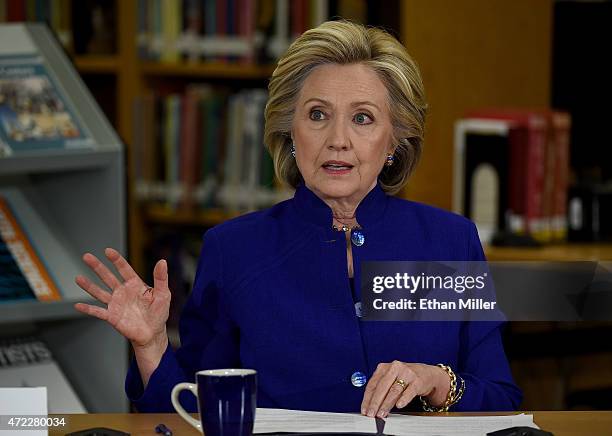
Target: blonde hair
(344, 42)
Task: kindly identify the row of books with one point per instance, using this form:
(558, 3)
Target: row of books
(251, 31)
(88, 34)
(204, 149)
(512, 170)
(54, 12)
(24, 275)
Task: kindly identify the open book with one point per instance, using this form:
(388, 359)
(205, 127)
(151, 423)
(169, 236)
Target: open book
(299, 421)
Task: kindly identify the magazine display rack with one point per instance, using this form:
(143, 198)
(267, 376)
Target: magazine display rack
(62, 172)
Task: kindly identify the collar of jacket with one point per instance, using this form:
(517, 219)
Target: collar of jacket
(314, 210)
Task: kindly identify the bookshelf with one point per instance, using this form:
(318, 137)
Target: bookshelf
(556, 252)
(68, 201)
(131, 77)
(134, 77)
(206, 70)
(97, 64)
(206, 218)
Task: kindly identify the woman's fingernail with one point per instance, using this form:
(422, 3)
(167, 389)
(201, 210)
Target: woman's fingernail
(363, 411)
(381, 414)
(371, 413)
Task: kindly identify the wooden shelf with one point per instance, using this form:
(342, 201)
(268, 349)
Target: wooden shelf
(160, 214)
(560, 252)
(111, 64)
(97, 64)
(207, 70)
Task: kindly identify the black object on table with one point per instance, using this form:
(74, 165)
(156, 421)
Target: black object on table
(520, 431)
(98, 431)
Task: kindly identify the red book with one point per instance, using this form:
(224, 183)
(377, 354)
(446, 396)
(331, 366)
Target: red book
(529, 142)
(190, 144)
(221, 24)
(298, 17)
(246, 25)
(16, 10)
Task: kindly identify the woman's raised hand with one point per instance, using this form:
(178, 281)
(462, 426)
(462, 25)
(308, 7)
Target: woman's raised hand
(134, 309)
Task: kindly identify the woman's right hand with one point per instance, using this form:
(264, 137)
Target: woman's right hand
(134, 309)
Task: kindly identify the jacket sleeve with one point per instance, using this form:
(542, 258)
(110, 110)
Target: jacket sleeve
(209, 339)
(482, 361)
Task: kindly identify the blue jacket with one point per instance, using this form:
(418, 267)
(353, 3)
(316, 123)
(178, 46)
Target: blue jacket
(272, 293)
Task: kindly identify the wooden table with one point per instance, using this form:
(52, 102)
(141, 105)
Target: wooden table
(559, 423)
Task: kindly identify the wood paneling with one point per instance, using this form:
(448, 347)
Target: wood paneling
(473, 53)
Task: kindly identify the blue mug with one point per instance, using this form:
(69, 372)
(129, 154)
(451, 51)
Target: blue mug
(226, 401)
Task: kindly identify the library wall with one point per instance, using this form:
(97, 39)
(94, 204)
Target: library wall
(473, 53)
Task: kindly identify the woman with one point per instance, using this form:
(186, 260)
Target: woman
(274, 289)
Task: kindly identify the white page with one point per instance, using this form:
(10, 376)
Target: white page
(408, 425)
(23, 401)
(61, 395)
(283, 420)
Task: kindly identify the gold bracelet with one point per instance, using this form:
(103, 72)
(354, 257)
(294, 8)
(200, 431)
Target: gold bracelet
(454, 394)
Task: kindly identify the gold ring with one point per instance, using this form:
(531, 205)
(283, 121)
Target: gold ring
(149, 289)
(402, 383)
